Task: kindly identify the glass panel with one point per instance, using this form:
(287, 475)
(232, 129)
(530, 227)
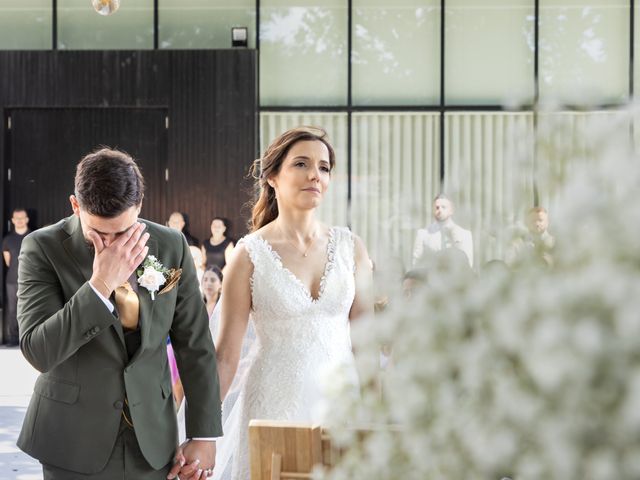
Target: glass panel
(489, 176)
(25, 24)
(489, 52)
(81, 28)
(303, 52)
(584, 51)
(333, 210)
(396, 52)
(395, 174)
(204, 23)
(567, 141)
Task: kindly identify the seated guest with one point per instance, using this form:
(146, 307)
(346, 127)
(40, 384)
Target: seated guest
(179, 221)
(219, 246)
(443, 233)
(211, 287)
(198, 260)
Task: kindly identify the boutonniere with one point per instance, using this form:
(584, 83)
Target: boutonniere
(153, 275)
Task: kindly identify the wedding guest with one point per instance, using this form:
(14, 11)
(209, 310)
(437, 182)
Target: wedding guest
(494, 267)
(176, 384)
(217, 249)
(443, 233)
(413, 279)
(198, 261)
(211, 287)
(536, 241)
(10, 250)
(179, 221)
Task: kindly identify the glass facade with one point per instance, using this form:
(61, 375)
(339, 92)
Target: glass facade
(379, 53)
(475, 31)
(303, 52)
(195, 24)
(396, 51)
(25, 24)
(415, 99)
(81, 28)
(584, 51)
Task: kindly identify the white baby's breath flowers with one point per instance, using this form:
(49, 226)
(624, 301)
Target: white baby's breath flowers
(527, 374)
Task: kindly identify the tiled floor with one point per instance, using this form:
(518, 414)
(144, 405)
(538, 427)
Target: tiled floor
(16, 384)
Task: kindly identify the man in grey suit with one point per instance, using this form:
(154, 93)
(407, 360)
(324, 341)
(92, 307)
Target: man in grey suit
(98, 294)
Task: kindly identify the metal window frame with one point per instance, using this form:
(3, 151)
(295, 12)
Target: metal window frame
(440, 107)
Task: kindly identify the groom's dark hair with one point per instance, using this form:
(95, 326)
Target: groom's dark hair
(108, 182)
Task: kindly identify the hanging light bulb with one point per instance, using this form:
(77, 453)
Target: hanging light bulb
(106, 7)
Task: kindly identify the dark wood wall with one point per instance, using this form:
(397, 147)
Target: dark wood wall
(210, 99)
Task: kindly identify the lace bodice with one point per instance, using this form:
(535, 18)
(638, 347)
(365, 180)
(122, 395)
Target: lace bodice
(286, 317)
(299, 340)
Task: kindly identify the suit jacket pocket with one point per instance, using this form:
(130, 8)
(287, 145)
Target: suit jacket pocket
(58, 390)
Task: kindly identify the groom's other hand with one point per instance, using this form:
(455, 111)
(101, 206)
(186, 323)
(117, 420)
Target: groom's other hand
(194, 460)
(115, 260)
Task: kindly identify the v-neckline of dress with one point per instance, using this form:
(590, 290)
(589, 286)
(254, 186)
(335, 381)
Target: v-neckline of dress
(327, 267)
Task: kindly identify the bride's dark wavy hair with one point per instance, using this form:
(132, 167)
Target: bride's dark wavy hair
(265, 208)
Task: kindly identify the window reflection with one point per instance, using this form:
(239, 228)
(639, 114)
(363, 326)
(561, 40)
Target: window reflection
(25, 24)
(475, 32)
(81, 28)
(584, 52)
(303, 54)
(396, 52)
(203, 23)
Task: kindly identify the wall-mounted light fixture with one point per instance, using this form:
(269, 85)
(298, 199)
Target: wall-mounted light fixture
(239, 36)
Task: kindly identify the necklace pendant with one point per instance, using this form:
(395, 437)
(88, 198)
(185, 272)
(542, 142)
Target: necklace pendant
(304, 254)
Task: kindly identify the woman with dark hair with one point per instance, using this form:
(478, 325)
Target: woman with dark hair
(211, 285)
(298, 283)
(217, 249)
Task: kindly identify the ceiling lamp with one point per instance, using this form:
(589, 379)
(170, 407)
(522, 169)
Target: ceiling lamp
(106, 7)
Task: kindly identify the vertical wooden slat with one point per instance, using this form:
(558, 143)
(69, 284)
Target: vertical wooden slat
(210, 96)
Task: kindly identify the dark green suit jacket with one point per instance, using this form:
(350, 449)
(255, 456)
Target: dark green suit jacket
(68, 334)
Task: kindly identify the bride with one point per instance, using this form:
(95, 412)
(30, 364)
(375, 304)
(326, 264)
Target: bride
(298, 282)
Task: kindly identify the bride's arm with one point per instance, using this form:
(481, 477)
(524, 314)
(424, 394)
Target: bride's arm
(234, 316)
(363, 301)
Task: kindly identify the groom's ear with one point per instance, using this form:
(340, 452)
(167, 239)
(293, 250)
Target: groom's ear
(75, 206)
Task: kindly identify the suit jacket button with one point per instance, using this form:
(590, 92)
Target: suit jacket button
(118, 405)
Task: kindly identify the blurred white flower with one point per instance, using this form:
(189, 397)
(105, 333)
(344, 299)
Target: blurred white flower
(528, 374)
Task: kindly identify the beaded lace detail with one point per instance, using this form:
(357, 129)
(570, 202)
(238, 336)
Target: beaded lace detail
(299, 338)
(331, 251)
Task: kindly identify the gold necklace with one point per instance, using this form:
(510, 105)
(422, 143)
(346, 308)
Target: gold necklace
(304, 254)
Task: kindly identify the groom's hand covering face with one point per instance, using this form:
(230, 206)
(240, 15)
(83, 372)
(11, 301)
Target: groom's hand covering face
(119, 245)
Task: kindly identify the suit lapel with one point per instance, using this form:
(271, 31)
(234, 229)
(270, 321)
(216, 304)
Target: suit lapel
(76, 247)
(146, 306)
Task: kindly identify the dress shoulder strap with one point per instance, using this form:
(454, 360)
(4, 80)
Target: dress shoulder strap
(252, 243)
(344, 246)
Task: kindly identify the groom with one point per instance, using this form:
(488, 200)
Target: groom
(94, 311)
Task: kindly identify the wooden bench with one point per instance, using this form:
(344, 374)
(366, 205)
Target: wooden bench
(286, 450)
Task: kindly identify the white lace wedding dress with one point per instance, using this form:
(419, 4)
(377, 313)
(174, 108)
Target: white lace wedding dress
(300, 341)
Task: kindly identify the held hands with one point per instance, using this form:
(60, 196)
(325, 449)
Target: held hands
(194, 460)
(115, 261)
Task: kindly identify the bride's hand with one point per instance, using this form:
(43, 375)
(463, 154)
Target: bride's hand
(194, 460)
